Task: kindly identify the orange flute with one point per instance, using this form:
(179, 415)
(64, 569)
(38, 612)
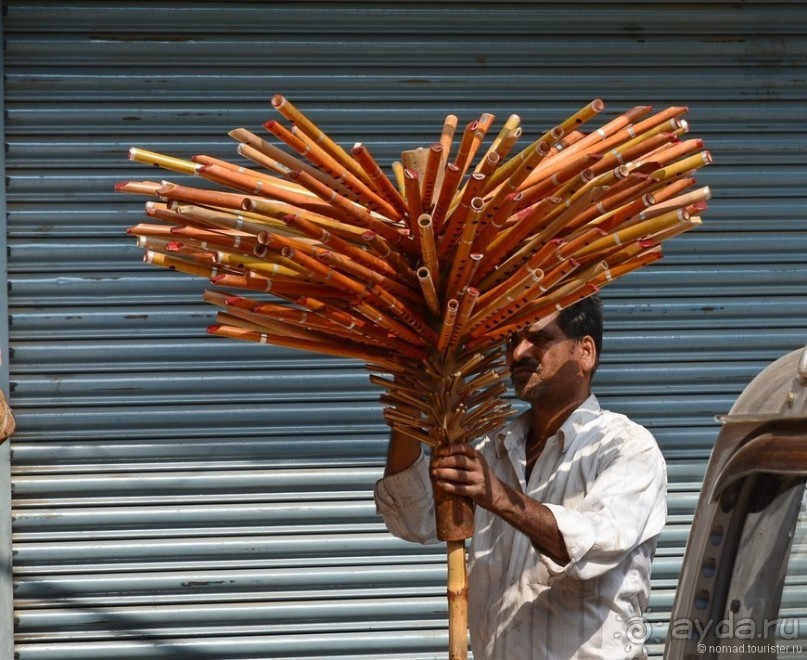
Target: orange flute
(466, 308)
(414, 201)
(290, 112)
(527, 221)
(357, 214)
(493, 221)
(346, 265)
(428, 247)
(430, 176)
(622, 155)
(429, 290)
(460, 262)
(464, 150)
(183, 265)
(634, 232)
(357, 191)
(273, 158)
(507, 303)
(451, 180)
(553, 180)
(351, 250)
(139, 187)
(451, 230)
(380, 183)
(447, 326)
(190, 195)
(514, 181)
(337, 349)
(575, 292)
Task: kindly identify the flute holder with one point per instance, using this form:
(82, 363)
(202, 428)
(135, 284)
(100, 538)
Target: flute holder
(454, 516)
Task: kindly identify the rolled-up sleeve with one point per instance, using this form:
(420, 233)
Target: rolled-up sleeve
(625, 507)
(405, 502)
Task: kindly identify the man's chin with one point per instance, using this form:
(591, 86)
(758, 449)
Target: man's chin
(525, 391)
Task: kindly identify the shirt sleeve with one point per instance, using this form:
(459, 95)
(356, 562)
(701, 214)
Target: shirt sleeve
(625, 506)
(405, 502)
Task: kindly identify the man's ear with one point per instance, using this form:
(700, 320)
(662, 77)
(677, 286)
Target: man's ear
(588, 354)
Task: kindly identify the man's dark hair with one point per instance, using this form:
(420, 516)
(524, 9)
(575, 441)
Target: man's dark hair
(581, 319)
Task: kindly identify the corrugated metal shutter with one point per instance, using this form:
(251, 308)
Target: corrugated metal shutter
(181, 496)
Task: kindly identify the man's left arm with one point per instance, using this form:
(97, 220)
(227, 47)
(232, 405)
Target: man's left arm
(624, 504)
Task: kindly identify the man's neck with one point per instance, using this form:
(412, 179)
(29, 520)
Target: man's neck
(545, 423)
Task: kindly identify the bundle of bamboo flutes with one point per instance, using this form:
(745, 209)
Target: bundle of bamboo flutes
(423, 276)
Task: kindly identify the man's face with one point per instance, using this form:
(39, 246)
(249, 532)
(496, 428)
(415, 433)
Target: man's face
(545, 364)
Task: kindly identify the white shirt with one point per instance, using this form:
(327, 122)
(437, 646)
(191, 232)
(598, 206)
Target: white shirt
(604, 479)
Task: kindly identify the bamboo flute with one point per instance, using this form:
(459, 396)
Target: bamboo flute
(429, 290)
(175, 248)
(351, 212)
(275, 159)
(572, 122)
(556, 177)
(240, 241)
(356, 252)
(380, 183)
(428, 248)
(430, 176)
(178, 193)
(335, 349)
(463, 155)
(622, 155)
(464, 249)
(285, 321)
(451, 180)
(466, 307)
(511, 184)
(541, 259)
(357, 191)
(221, 220)
(452, 229)
(290, 112)
(160, 160)
(495, 221)
(414, 201)
(263, 186)
(355, 269)
(527, 222)
(267, 211)
(182, 265)
(447, 326)
(394, 258)
(139, 187)
(447, 133)
(146, 229)
(634, 232)
(261, 159)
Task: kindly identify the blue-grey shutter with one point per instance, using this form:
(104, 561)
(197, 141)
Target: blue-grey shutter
(176, 495)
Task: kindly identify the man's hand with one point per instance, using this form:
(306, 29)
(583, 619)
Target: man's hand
(461, 470)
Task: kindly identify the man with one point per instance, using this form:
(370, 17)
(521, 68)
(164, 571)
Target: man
(570, 500)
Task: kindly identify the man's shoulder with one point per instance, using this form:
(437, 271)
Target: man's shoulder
(618, 431)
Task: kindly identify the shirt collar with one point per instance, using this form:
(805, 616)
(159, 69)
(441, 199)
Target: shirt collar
(515, 433)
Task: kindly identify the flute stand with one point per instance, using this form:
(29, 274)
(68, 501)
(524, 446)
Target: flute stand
(454, 516)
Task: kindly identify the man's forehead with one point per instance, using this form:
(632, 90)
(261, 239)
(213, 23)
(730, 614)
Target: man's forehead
(541, 323)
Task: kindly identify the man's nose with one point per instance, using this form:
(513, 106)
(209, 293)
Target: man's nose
(521, 349)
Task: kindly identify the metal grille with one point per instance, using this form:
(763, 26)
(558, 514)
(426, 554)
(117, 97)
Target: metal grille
(176, 495)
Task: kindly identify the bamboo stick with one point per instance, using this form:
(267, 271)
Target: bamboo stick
(457, 600)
